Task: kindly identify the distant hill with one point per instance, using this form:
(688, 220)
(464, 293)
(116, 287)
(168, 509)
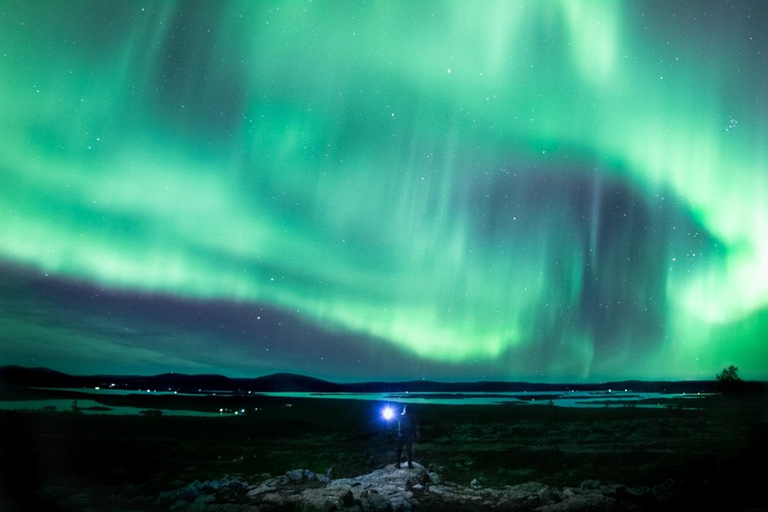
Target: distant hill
(46, 378)
(42, 377)
(292, 382)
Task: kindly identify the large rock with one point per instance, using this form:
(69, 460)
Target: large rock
(548, 496)
(374, 502)
(324, 499)
(391, 489)
(385, 489)
(301, 475)
(588, 486)
(593, 502)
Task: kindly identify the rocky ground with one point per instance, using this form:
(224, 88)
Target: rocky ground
(474, 457)
(392, 490)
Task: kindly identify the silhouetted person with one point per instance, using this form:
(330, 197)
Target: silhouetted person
(406, 433)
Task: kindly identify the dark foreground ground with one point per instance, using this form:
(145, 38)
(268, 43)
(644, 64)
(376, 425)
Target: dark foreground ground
(707, 459)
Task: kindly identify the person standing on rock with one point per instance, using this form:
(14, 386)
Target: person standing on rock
(406, 433)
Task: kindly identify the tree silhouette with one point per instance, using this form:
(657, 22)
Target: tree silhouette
(729, 380)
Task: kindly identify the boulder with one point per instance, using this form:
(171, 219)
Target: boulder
(593, 502)
(299, 475)
(374, 502)
(527, 487)
(548, 496)
(391, 489)
(348, 499)
(589, 486)
(322, 500)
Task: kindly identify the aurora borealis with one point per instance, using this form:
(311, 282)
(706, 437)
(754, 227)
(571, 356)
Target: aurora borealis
(522, 190)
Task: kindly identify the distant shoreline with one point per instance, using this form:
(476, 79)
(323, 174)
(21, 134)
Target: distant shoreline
(286, 382)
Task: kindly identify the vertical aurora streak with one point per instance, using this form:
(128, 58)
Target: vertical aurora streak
(523, 189)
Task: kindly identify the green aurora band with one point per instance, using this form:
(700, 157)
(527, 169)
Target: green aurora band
(555, 188)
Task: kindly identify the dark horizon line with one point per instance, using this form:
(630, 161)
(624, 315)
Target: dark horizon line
(5, 368)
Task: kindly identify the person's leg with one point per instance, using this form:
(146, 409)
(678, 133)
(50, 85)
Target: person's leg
(399, 451)
(409, 447)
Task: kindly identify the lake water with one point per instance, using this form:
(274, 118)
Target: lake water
(89, 407)
(619, 398)
(556, 398)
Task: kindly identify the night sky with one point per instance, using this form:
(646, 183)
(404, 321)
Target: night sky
(554, 190)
